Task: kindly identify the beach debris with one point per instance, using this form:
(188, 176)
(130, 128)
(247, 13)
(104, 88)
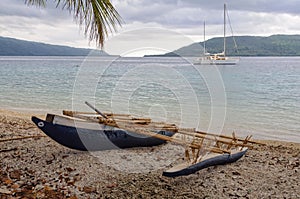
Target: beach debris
(8, 150)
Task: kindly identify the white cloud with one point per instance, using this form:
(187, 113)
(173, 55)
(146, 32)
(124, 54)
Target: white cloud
(64, 32)
(153, 40)
(56, 26)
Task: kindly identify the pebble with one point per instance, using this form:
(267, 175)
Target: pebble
(38, 187)
(112, 185)
(88, 189)
(236, 173)
(16, 174)
(4, 191)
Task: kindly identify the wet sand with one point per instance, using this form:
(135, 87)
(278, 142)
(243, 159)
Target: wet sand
(41, 168)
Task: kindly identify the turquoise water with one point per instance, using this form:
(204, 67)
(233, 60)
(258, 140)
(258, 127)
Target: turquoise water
(259, 96)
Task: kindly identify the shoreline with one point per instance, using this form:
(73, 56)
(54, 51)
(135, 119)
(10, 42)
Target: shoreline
(42, 168)
(27, 113)
(24, 113)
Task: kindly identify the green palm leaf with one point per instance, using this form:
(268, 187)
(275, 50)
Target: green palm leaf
(99, 17)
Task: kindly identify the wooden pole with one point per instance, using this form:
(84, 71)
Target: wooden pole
(228, 137)
(224, 30)
(213, 138)
(91, 106)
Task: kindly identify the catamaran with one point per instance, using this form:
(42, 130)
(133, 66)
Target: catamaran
(217, 58)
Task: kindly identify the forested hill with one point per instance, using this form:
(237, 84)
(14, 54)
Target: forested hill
(16, 47)
(275, 45)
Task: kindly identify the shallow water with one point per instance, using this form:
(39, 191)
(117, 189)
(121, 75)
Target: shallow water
(259, 96)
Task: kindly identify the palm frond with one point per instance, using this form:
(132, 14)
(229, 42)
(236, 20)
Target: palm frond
(40, 3)
(99, 17)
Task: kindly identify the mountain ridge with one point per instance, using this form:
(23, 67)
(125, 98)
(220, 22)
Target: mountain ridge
(17, 47)
(274, 45)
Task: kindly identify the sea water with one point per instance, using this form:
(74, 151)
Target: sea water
(259, 96)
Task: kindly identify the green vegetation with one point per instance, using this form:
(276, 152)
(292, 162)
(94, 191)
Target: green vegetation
(275, 45)
(15, 47)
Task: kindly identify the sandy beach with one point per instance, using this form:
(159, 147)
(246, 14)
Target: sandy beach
(41, 168)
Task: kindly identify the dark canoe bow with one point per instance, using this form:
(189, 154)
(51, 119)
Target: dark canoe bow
(93, 136)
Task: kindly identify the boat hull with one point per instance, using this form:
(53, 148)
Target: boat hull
(90, 138)
(217, 160)
(230, 61)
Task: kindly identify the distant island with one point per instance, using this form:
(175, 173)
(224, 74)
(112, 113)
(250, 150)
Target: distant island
(275, 45)
(16, 47)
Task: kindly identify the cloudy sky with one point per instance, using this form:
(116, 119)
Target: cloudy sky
(185, 17)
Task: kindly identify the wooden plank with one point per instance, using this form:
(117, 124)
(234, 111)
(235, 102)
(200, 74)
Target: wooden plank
(82, 117)
(155, 126)
(116, 117)
(108, 114)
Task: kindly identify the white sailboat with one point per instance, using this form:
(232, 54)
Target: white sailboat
(217, 58)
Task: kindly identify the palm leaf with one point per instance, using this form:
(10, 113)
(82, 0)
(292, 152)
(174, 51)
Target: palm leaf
(36, 2)
(99, 17)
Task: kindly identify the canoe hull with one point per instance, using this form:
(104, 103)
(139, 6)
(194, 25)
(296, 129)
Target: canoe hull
(217, 160)
(92, 139)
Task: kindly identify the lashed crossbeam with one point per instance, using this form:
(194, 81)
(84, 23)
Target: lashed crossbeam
(147, 127)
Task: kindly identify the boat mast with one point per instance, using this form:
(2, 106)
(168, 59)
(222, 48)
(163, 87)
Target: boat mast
(224, 29)
(204, 47)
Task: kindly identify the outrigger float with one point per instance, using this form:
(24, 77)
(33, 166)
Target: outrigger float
(104, 131)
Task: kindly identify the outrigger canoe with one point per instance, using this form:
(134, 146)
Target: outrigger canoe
(92, 136)
(95, 132)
